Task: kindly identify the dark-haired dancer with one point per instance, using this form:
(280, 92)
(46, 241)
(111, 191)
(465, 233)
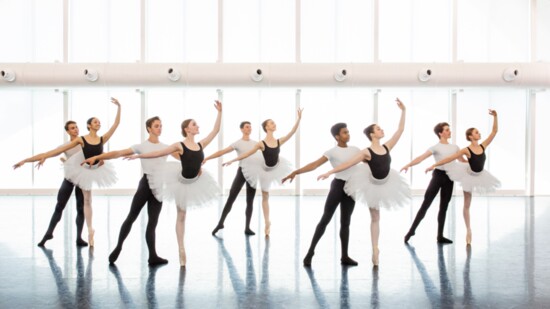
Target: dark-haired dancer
(186, 182)
(336, 155)
(376, 184)
(440, 181)
(102, 175)
(471, 175)
(64, 193)
(241, 146)
(273, 167)
(145, 192)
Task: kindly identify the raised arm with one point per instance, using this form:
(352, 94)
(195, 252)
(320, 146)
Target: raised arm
(245, 155)
(109, 155)
(217, 124)
(285, 138)
(448, 159)
(308, 168)
(52, 153)
(176, 147)
(218, 154)
(416, 160)
(112, 129)
(491, 136)
(397, 135)
(344, 166)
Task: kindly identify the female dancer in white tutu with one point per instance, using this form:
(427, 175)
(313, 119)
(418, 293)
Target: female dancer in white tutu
(272, 168)
(471, 175)
(377, 184)
(186, 182)
(83, 175)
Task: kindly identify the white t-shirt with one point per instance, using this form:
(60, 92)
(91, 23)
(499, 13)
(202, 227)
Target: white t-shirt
(441, 151)
(338, 155)
(150, 165)
(241, 146)
(70, 152)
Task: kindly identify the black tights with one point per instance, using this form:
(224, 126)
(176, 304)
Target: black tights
(63, 196)
(440, 180)
(335, 196)
(236, 187)
(143, 195)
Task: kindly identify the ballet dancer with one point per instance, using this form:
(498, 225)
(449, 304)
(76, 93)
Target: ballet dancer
(377, 184)
(85, 176)
(186, 182)
(145, 192)
(336, 155)
(471, 175)
(273, 168)
(440, 181)
(65, 191)
(241, 146)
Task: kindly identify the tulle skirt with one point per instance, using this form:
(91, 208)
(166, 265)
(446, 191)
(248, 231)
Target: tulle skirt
(200, 191)
(390, 192)
(86, 177)
(470, 181)
(255, 171)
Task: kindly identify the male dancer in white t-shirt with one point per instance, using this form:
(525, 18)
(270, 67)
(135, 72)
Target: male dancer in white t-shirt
(241, 146)
(64, 193)
(336, 155)
(144, 193)
(440, 181)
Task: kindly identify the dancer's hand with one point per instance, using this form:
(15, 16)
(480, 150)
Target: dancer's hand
(18, 164)
(429, 169)
(492, 112)
(400, 104)
(62, 159)
(40, 163)
(115, 101)
(227, 163)
(89, 161)
(218, 105)
(204, 161)
(131, 157)
(404, 169)
(290, 176)
(300, 110)
(323, 177)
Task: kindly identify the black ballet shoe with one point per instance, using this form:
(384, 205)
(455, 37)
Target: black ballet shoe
(307, 259)
(218, 227)
(157, 260)
(81, 243)
(114, 256)
(408, 236)
(249, 232)
(443, 240)
(347, 261)
(45, 239)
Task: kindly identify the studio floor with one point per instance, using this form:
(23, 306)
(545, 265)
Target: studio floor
(507, 265)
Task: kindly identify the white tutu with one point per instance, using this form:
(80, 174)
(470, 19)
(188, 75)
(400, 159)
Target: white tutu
(200, 191)
(86, 177)
(255, 171)
(390, 192)
(157, 187)
(482, 182)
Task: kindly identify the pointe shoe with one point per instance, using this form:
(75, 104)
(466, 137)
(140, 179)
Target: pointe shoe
(469, 237)
(267, 229)
(183, 258)
(91, 238)
(375, 254)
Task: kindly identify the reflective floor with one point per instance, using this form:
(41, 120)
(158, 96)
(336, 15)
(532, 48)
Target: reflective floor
(507, 266)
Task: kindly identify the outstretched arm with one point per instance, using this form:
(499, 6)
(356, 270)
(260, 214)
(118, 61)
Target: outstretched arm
(218, 154)
(109, 155)
(448, 159)
(285, 138)
(52, 153)
(308, 168)
(344, 166)
(397, 135)
(176, 147)
(245, 155)
(112, 129)
(491, 136)
(217, 125)
(416, 160)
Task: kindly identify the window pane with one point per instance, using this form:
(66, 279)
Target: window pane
(241, 31)
(543, 31)
(165, 17)
(18, 35)
(542, 150)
